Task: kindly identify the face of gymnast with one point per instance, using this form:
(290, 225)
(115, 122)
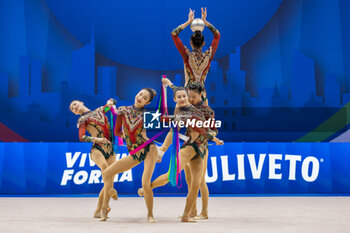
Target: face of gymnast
(77, 107)
(143, 98)
(194, 97)
(181, 98)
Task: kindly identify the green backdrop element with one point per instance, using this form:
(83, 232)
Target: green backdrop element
(328, 128)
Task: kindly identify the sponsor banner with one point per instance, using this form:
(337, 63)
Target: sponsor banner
(235, 168)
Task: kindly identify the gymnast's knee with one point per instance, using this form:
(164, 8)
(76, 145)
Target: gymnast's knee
(146, 186)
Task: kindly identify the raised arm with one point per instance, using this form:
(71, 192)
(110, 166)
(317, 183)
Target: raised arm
(110, 106)
(215, 42)
(175, 35)
(206, 134)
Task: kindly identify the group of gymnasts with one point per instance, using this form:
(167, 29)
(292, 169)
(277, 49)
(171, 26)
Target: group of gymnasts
(191, 103)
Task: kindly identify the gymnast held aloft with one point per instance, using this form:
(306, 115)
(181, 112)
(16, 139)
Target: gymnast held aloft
(197, 62)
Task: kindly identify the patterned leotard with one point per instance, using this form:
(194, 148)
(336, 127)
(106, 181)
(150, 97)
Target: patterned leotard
(208, 114)
(196, 63)
(199, 143)
(130, 119)
(98, 121)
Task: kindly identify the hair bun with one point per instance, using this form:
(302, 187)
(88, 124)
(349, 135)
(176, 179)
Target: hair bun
(197, 38)
(152, 92)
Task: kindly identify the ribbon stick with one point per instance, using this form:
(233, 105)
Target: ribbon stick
(174, 173)
(165, 98)
(172, 176)
(114, 115)
(178, 171)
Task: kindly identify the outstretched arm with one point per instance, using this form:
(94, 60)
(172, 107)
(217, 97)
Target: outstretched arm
(215, 42)
(205, 133)
(175, 35)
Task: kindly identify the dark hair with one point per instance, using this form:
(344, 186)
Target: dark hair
(197, 39)
(195, 87)
(176, 89)
(152, 93)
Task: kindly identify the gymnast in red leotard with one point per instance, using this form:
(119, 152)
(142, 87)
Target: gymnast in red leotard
(96, 123)
(197, 62)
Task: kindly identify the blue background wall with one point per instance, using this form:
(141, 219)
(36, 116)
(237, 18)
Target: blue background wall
(273, 54)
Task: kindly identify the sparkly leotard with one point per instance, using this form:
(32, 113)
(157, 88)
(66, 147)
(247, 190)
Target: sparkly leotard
(98, 121)
(199, 143)
(130, 119)
(196, 63)
(208, 114)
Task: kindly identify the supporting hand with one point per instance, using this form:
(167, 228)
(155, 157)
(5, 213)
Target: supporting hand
(218, 141)
(102, 140)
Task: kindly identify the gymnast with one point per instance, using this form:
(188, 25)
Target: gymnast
(129, 125)
(97, 125)
(196, 62)
(192, 151)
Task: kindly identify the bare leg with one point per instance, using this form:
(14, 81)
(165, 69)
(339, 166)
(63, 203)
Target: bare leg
(186, 154)
(204, 191)
(168, 140)
(101, 162)
(116, 167)
(149, 165)
(196, 167)
(188, 177)
(97, 213)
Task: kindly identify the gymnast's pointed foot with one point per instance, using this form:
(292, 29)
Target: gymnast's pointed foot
(201, 217)
(113, 193)
(104, 215)
(193, 214)
(140, 192)
(151, 219)
(97, 213)
(186, 218)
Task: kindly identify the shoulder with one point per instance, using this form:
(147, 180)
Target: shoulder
(81, 121)
(122, 110)
(209, 51)
(187, 50)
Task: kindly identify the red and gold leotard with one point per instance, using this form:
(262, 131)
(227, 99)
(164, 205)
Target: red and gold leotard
(208, 114)
(196, 63)
(96, 123)
(199, 143)
(131, 119)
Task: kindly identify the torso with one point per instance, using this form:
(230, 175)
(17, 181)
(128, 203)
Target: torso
(134, 133)
(197, 66)
(96, 123)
